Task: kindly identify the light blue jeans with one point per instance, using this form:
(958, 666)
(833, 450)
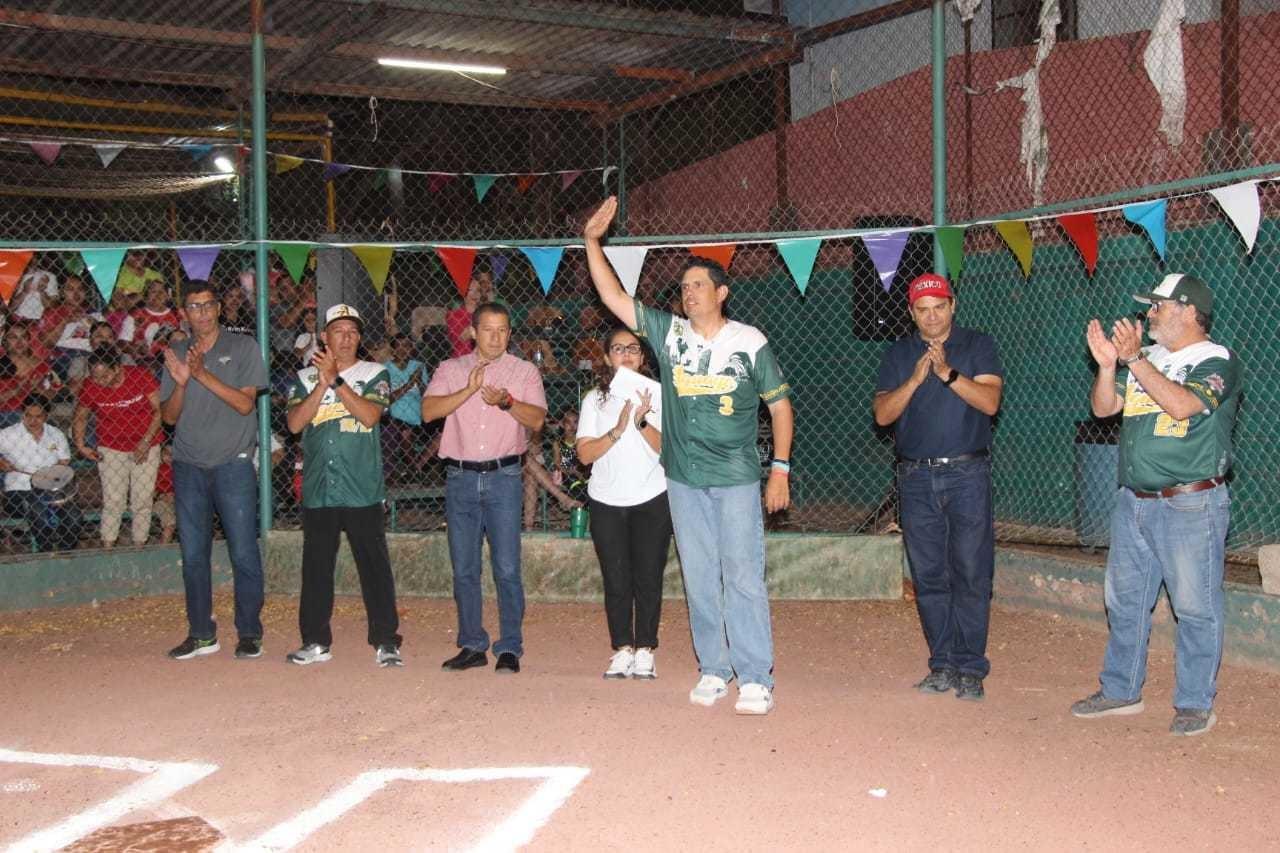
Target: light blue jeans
(1180, 542)
(720, 537)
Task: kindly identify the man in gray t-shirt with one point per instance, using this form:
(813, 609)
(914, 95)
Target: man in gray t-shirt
(208, 391)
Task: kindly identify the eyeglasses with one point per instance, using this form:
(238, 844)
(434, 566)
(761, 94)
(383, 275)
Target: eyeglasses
(196, 307)
(628, 349)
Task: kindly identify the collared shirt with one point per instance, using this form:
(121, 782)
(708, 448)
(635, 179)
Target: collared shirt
(1157, 451)
(21, 450)
(341, 457)
(476, 431)
(711, 391)
(936, 422)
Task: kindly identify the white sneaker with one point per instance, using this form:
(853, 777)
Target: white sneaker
(754, 699)
(708, 689)
(620, 664)
(644, 666)
(312, 653)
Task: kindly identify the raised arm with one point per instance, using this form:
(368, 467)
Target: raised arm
(607, 284)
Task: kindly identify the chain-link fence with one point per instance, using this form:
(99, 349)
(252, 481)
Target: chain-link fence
(742, 121)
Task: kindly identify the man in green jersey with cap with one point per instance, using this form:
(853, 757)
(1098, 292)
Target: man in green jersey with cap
(1179, 400)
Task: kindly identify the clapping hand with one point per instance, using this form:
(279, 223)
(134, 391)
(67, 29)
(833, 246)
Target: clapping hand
(177, 367)
(645, 407)
(624, 418)
(326, 364)
(1126, 337)
(938, 359)
(1100, 346)
(493, 395)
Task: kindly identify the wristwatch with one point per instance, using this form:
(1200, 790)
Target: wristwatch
(337, 383)
(951, 377)
(506, 401)
(1125, 362)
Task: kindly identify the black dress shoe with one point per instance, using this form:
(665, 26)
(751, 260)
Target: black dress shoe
(466, 659)
(508, 664)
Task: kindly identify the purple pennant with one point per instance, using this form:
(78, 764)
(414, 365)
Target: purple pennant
(498, 266)
(198, 262)
(333, 170)
(567, 178)
(885, 249)
(46, 151)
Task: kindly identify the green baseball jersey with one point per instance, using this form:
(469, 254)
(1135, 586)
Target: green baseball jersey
(341, 457)
(1158, 451)
(710, 395)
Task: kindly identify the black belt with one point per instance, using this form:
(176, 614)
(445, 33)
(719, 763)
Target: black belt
(1182, 488)
(946, 460)
(486, 465)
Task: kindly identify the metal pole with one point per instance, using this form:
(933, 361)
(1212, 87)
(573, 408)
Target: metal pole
(259, 172)
(1229, 83)
(938, 29)
(622, 177)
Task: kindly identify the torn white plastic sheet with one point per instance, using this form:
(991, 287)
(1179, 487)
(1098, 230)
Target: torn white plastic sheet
(1034, 147)
(1163, 61)
(966, 9)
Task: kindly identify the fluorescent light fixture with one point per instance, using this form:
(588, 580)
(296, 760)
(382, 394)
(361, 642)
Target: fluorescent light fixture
(223, 164)
(422, 65)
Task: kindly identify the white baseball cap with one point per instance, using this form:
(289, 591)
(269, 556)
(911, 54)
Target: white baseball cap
(342, 311)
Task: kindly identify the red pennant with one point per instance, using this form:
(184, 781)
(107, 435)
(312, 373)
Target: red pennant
(723, 255)
(1083, 230)
(523, 182)
(437, 180)
(12, 266)
(459, 262)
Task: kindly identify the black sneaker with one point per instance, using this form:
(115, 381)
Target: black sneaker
(969, 687)
(1097, 705)
(249, 647)
(388, 654)
(1189, 722)
(191, 647)
(938, 681)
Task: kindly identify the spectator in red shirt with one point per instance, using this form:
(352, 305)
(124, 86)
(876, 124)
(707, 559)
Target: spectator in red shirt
(126, 402)
(154, 316)
(163, 507)
(22, 372)
(457, 323)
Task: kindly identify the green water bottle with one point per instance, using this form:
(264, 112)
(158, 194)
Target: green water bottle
(578, 522)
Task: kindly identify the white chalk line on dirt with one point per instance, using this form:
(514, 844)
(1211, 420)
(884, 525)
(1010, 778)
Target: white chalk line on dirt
(163, 780)
(517, 830)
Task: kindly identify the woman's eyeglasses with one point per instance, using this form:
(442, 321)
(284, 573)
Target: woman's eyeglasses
(625, 349)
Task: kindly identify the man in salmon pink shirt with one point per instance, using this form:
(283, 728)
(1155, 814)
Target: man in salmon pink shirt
(490, 401)
(126, 401)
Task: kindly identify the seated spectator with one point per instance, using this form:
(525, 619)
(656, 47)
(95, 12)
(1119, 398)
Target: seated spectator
(538, 477)
(462, 334)
(306, 342)
(403, 421)
(36, 291)
(100, 335)
(566, 470)
(286, 303)
(162, 507)
(25, 448)
(119, 315)
(134, 279)
(22, 373)
(126, 403)
(155, 315)
(237, 311)
(64, 329)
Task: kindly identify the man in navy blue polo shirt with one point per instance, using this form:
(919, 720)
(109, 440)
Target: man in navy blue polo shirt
(940, 386)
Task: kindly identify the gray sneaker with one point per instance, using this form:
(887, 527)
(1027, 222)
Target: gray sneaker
(1190, 722)
(388, 654)
(969, 688)
(309, 654)
(1098, 705)
(938, 681)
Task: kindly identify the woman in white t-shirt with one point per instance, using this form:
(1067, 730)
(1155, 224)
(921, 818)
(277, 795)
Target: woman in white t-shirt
(630, 519)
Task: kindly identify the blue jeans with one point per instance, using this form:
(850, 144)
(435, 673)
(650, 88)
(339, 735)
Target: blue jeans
(232, 490)
(479, 505)
(1180, 542)
(720, 537)
(949, 532)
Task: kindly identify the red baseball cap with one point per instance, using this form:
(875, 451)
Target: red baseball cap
(929, 284)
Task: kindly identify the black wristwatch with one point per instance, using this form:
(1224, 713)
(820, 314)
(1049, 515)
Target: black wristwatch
(951, 377)
(337, 383)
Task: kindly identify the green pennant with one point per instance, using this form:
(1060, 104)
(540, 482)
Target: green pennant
(483, 182)
(951, 239)
(379, 179)
(799, 256)
(294, 256)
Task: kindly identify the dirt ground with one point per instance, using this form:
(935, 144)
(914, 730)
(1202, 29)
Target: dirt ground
(265, 754)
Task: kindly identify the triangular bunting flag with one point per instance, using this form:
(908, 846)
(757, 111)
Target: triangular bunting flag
(545, 260)
(483, 182)
(799, 256)
(46, 151)
(1240, 203)
(108, 152)
(723, 255)
(497, 267)
(885, 250)
(523, 182)
(287, 162)
(198, 262)
(199, 152)
(379, 179)
(12, 266)
(1149, 215)
(1017, 236)
(437, 180)
(104, 266)
(376, 261)
(333, 170)
(951, 239)
(459, 262)
(567, 178)
(294, 256)
(627, 261)
(1082, 228)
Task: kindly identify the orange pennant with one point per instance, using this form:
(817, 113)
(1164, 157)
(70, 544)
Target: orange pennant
(459, 262)
(523, 182)
(12, 266)
(723, 255)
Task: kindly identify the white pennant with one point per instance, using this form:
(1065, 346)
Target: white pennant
(627, 261)
(1240, 203)
(107, 152)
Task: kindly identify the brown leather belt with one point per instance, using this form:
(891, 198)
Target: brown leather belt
(1182, 488)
